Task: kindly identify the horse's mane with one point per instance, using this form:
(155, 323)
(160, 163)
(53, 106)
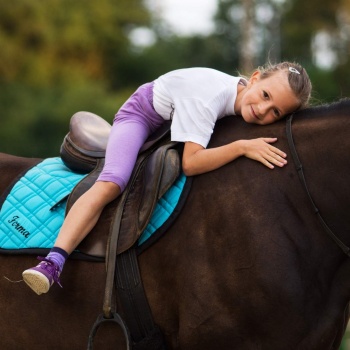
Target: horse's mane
(341, 106)
(234, 128)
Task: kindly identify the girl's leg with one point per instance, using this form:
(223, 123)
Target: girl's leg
(84, 214)
(125, 141)
(80, 220)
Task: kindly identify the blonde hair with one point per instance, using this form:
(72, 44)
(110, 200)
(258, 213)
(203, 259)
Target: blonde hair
(298, 79)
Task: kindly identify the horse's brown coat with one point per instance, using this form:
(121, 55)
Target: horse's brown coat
(246, 265)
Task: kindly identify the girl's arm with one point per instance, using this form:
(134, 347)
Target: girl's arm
(197, 159)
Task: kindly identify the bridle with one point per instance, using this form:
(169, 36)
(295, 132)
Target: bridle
(300, 171)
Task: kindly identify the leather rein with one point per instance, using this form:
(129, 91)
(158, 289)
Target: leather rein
(299, 168)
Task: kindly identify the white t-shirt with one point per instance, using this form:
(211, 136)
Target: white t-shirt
(194, 99)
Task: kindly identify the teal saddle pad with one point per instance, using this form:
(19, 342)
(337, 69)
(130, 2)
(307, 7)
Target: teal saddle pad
(34, 210)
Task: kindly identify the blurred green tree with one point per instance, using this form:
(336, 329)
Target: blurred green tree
(256, 31)
(58, 57)
(57, 41)
(302, 20)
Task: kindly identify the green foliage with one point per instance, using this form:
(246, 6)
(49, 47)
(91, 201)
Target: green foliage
(325, 85)
(174, 53)
(56, 59)
(56, 41)
(35, 120)
(61, 56)
(292, 29)
(302, 21)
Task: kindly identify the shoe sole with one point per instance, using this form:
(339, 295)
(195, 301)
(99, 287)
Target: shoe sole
(36, 281)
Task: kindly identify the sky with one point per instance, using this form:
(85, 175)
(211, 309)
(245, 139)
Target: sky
(186, 17)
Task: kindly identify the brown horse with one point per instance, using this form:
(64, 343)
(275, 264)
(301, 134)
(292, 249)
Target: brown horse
(247, 265)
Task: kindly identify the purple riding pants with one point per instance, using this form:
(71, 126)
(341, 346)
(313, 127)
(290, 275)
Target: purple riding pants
(132, 125)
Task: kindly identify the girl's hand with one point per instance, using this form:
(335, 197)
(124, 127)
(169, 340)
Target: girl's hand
(262, 151)
(198, 160)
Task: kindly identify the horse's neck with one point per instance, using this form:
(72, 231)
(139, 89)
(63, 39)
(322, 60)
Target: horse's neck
(322, 145)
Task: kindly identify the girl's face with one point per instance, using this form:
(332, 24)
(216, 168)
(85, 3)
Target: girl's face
(267, 100)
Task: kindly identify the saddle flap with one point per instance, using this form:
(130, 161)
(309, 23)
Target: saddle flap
(160, 134)
(159, 172)
(171, 171)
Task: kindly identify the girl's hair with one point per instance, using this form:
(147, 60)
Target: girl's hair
(298, 79)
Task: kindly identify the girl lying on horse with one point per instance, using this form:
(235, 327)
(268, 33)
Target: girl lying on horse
(193, 99)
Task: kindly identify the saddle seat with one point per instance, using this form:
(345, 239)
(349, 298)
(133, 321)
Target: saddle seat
(157, 168)
(86, 141)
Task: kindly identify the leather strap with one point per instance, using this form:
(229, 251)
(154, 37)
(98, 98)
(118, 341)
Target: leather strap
(113, 242)
(299, 168)
(109, 308)
(138, 314)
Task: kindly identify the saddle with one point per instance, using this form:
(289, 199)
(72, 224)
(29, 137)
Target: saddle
(124, 219)
(86, 142)
(158, 166)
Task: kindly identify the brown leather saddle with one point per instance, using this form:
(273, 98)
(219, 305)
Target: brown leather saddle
(157, 167)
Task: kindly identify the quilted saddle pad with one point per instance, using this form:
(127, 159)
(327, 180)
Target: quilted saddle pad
(34, 210)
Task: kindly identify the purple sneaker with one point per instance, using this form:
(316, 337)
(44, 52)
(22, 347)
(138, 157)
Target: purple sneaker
(41, 277)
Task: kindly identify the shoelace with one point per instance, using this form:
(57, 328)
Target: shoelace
(51, 268)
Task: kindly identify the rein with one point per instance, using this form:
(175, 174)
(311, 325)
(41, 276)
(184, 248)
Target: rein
(299, 168)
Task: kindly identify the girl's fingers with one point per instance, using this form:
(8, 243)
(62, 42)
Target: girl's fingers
(277, 151)
(268, 164)
(269, 139)
(279, 157)
(262, 151)
(276, 159)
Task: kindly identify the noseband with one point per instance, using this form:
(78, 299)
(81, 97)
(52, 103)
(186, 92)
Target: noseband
(300, 171)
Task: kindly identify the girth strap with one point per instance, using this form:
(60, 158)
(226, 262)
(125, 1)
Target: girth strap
(137, 313)
(299, 168)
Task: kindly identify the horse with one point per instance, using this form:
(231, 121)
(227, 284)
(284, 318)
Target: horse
(246, 265)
